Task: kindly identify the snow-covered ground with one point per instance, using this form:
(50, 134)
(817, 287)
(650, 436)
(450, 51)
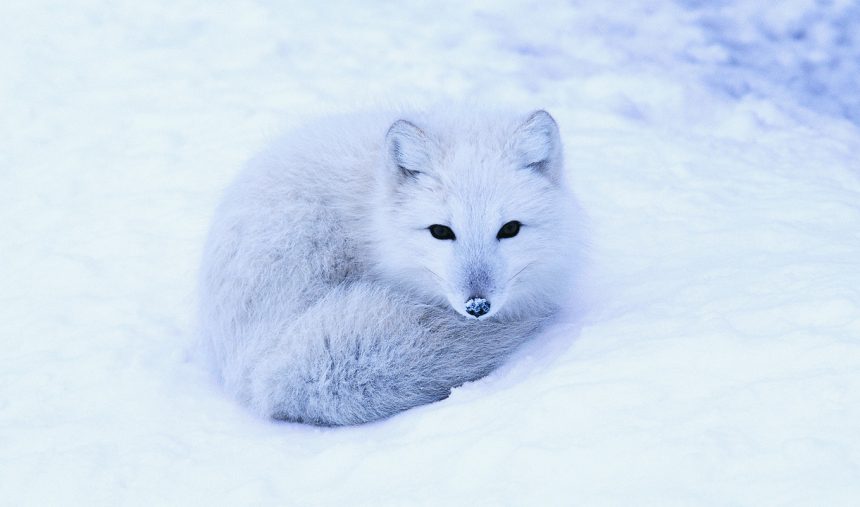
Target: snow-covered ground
(713, 357)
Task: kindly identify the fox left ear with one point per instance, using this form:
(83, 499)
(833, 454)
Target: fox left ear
(538, 144)
(408, 150)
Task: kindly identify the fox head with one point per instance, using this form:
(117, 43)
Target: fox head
(473, 212)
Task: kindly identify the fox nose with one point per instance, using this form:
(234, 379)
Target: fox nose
(477, 306)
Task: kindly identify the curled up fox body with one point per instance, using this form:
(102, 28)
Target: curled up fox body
(366, 264)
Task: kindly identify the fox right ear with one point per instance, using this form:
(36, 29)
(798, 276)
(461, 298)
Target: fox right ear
(538, 145)
(408, 149)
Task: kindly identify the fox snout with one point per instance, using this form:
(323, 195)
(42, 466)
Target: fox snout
(480, 287)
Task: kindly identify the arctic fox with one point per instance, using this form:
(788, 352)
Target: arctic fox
(367, 264)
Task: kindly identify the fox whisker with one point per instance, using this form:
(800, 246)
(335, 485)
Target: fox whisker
(520, 271)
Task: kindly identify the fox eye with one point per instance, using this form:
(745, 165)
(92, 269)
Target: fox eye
(441, 232)
(509, 230)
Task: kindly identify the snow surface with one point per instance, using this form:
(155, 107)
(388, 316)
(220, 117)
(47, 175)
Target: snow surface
(713, 358)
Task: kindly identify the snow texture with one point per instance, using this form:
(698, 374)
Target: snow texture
(713, 358)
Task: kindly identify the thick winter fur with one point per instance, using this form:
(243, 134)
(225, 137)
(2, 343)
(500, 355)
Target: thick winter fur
(326, 300)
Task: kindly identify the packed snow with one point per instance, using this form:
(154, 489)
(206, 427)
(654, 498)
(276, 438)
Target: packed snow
(711, 355)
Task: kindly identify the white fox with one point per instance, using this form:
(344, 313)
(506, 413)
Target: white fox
(367, 264)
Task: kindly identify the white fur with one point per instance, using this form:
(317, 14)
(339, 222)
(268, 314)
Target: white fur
(324, 297)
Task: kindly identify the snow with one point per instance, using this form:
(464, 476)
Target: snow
(712, 356)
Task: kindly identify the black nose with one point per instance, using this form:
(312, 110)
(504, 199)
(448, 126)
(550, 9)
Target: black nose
(477, 306)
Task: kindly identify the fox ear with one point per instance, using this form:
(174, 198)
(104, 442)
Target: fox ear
(538, 145)
(408, 149)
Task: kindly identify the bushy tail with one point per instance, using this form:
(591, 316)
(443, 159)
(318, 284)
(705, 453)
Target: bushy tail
(363, 352)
